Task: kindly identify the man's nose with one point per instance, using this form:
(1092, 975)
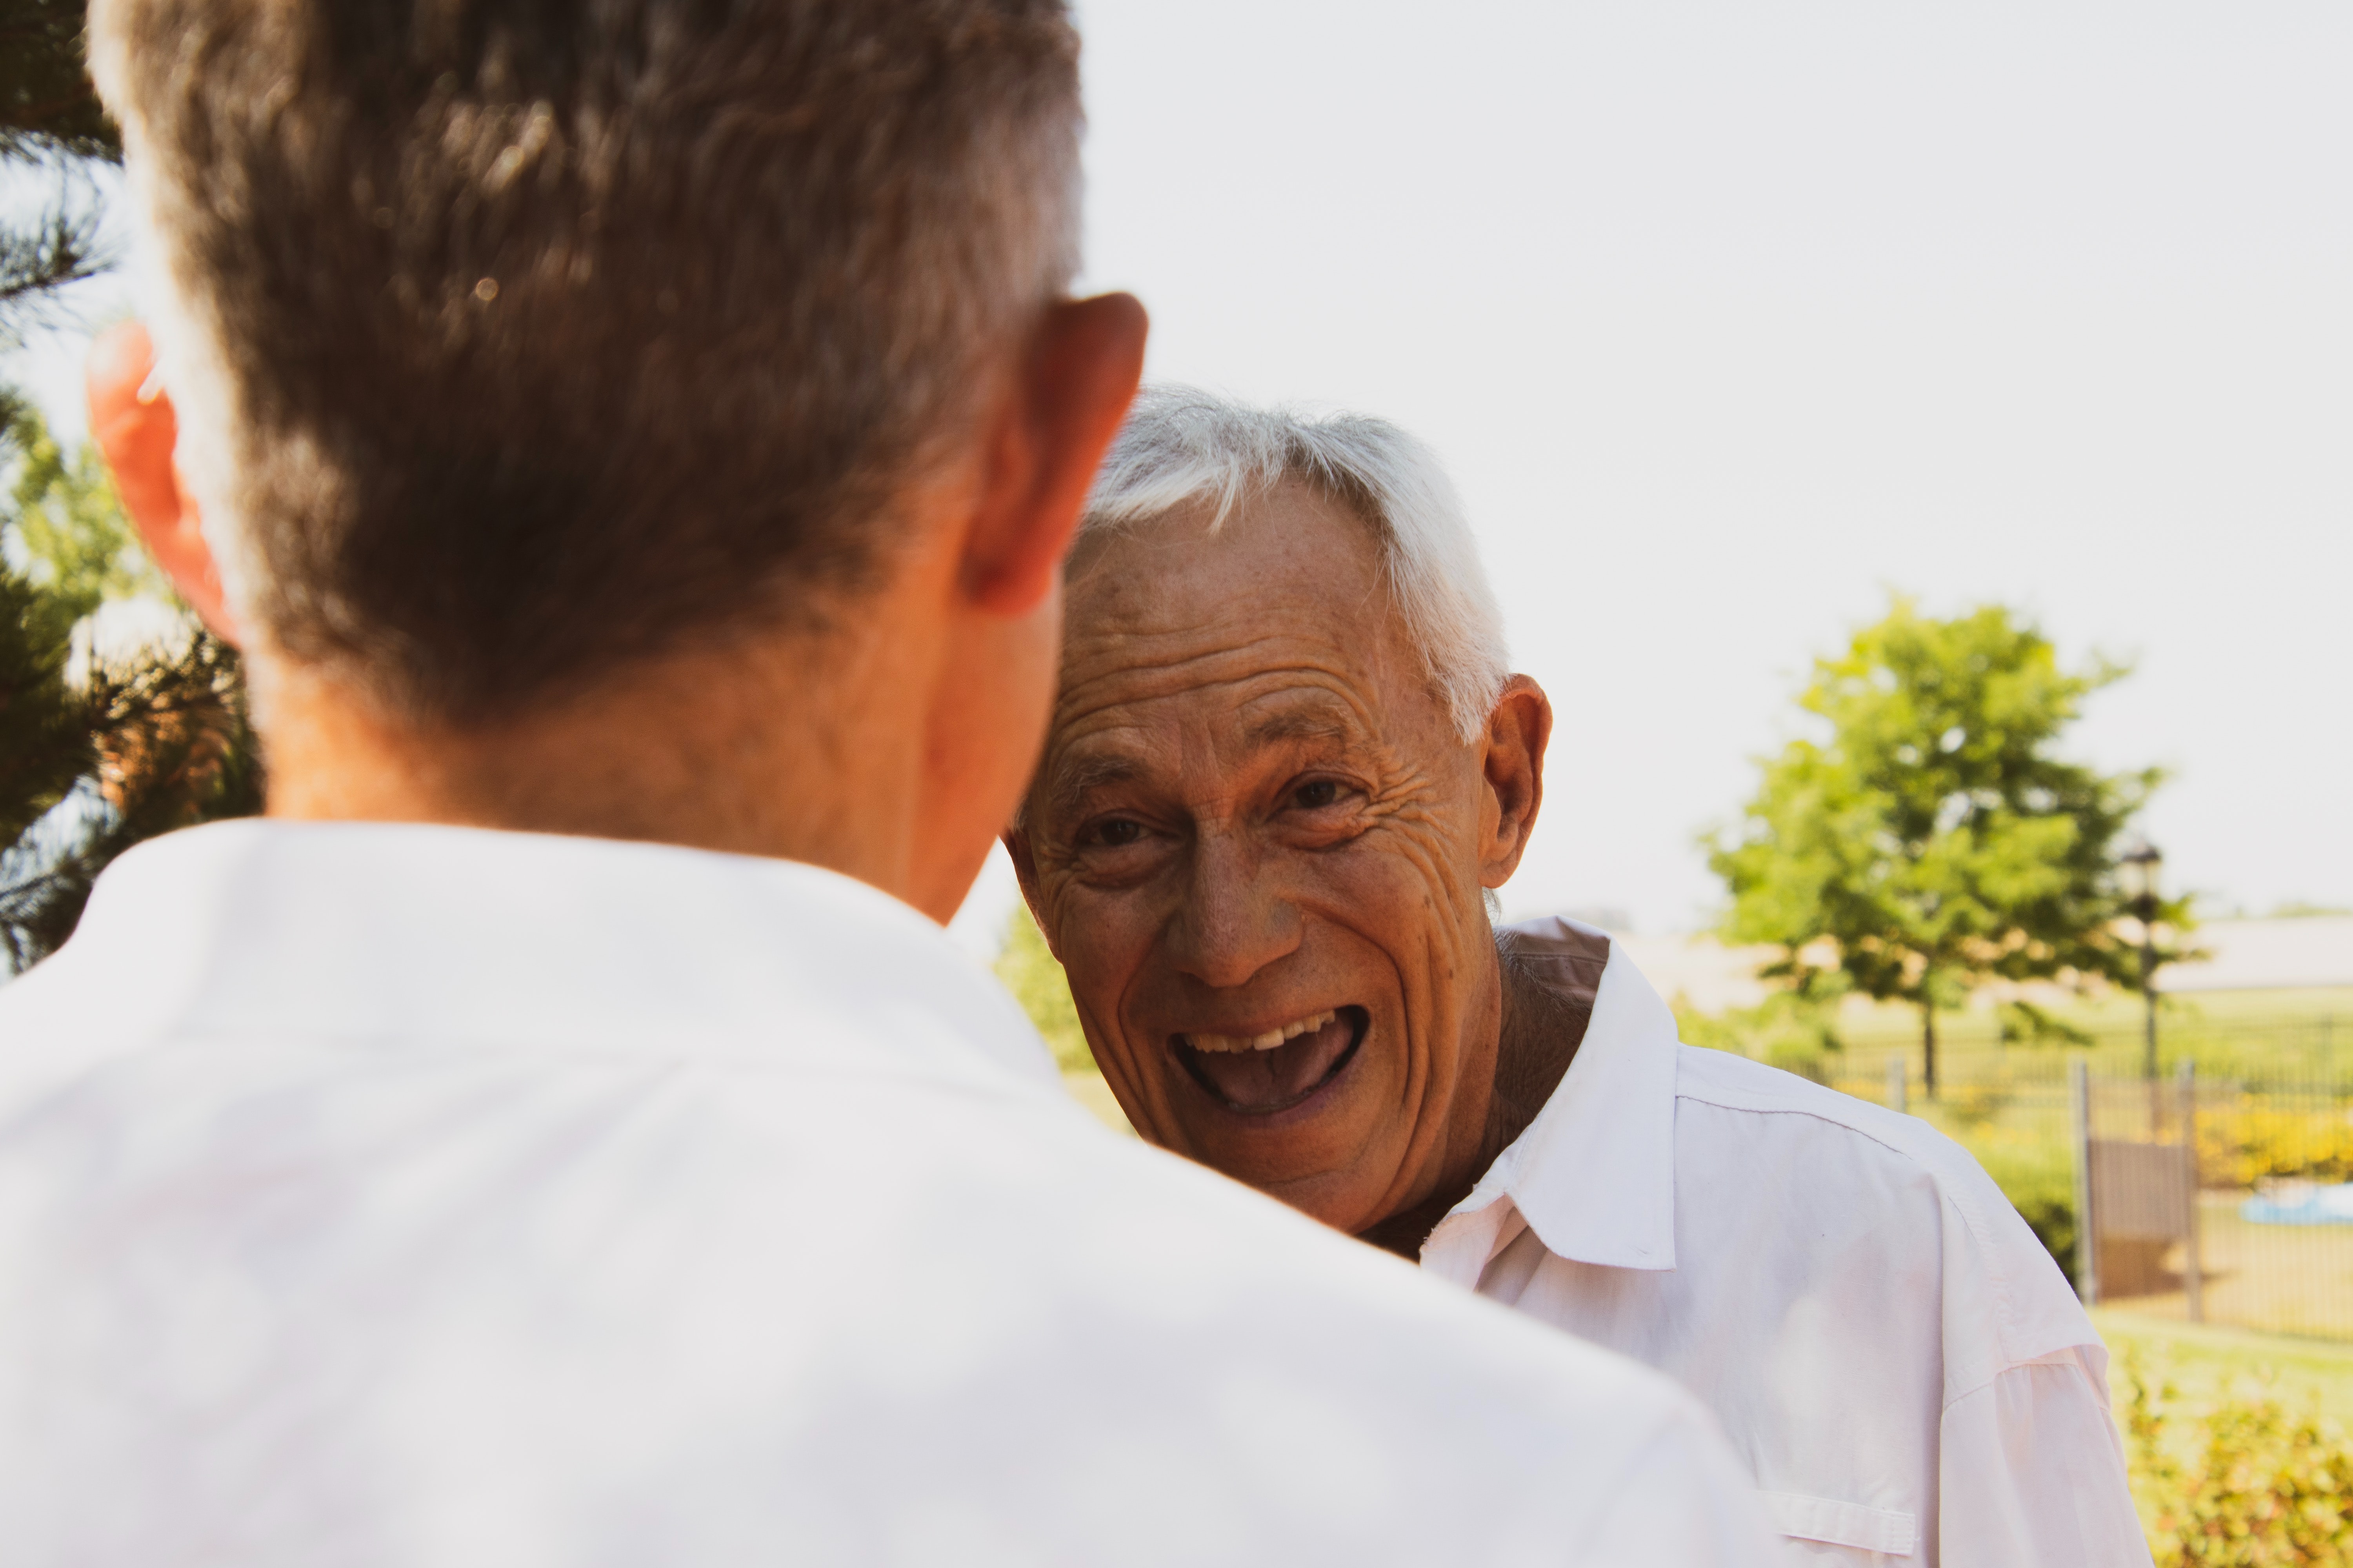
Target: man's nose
(1235, 922)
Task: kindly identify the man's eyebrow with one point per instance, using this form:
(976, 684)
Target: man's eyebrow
(1076, 777)
(1300, 724)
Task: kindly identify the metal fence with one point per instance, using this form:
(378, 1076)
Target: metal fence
(2135, 1147)
(2298, 1051)
(2219, 1202)
(2210, 1193)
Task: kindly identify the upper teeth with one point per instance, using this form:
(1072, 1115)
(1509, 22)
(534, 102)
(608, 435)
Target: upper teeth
(1266, 1042)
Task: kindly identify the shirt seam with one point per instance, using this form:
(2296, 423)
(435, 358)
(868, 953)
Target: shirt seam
(1943, 1190)
(1973, 1378)
(2028, 1364)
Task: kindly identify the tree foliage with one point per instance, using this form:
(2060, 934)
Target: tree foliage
(46, 98)
(70, 527)
(99, 747)
(1932, 840)
(51, 123)
(44, 744)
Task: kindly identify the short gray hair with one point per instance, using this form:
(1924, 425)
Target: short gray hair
(518, 341)
(1182, 446)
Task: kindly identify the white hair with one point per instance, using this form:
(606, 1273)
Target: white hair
(1182, 447)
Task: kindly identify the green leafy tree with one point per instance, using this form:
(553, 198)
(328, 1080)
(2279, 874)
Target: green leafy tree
(1931, 841)
(69, 526)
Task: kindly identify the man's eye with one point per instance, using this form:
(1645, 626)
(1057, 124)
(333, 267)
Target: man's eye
(1119, 830)
(1316, 793)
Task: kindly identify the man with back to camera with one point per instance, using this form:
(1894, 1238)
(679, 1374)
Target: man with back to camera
(636, 444)
(1287, 759)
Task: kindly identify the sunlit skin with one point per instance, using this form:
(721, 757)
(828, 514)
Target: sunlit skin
(1254, 811)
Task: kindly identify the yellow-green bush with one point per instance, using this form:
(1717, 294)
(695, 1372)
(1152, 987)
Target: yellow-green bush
(2245, 1486)
(2243, 1140)
(1977, 1102)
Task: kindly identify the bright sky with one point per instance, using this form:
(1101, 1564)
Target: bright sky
(1730, 319)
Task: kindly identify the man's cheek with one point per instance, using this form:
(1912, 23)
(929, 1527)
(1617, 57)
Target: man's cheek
(1098, 964)
(1388, 877)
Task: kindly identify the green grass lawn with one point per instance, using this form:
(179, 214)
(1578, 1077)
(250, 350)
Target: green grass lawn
(2232, 1034)
(2207, 1363)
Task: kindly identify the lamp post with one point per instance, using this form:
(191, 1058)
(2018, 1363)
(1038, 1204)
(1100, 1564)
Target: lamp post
(2141, 862)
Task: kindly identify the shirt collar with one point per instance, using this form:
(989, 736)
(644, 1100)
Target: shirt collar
(394, 932)
(1594, 1175)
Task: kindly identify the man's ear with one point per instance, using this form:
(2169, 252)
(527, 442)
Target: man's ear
(1518, 730)
(1075, 384)
(133, 423)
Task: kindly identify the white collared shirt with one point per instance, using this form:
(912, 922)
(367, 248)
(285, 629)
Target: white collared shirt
(394, 1196)
(1905, 1371)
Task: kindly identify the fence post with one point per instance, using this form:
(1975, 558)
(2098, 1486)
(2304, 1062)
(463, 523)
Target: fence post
(2088, 1244)
(2193, 1275)
(1897, 1085)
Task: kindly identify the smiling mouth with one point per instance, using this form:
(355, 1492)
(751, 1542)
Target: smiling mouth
(1260, 1075)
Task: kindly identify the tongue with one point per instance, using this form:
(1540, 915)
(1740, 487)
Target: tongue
(1270, 1080)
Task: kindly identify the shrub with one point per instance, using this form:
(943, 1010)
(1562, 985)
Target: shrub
(2249, 1488)
(2242, 1141)
(1977, 1102)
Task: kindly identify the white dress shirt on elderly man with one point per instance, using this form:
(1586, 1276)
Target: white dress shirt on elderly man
(414, 1196)
(1905, 1371)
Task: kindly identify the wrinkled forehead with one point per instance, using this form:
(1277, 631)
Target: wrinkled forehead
(1287, 571)
(1273, 627)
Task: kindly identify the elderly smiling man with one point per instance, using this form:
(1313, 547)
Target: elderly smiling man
(1286, 761)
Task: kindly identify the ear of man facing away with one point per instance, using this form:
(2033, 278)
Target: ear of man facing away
(977, 602)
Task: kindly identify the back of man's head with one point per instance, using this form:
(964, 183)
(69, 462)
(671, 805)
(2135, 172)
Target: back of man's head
(517, 340)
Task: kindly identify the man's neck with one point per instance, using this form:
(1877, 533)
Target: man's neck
(1538, 1035)
(747, 749)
